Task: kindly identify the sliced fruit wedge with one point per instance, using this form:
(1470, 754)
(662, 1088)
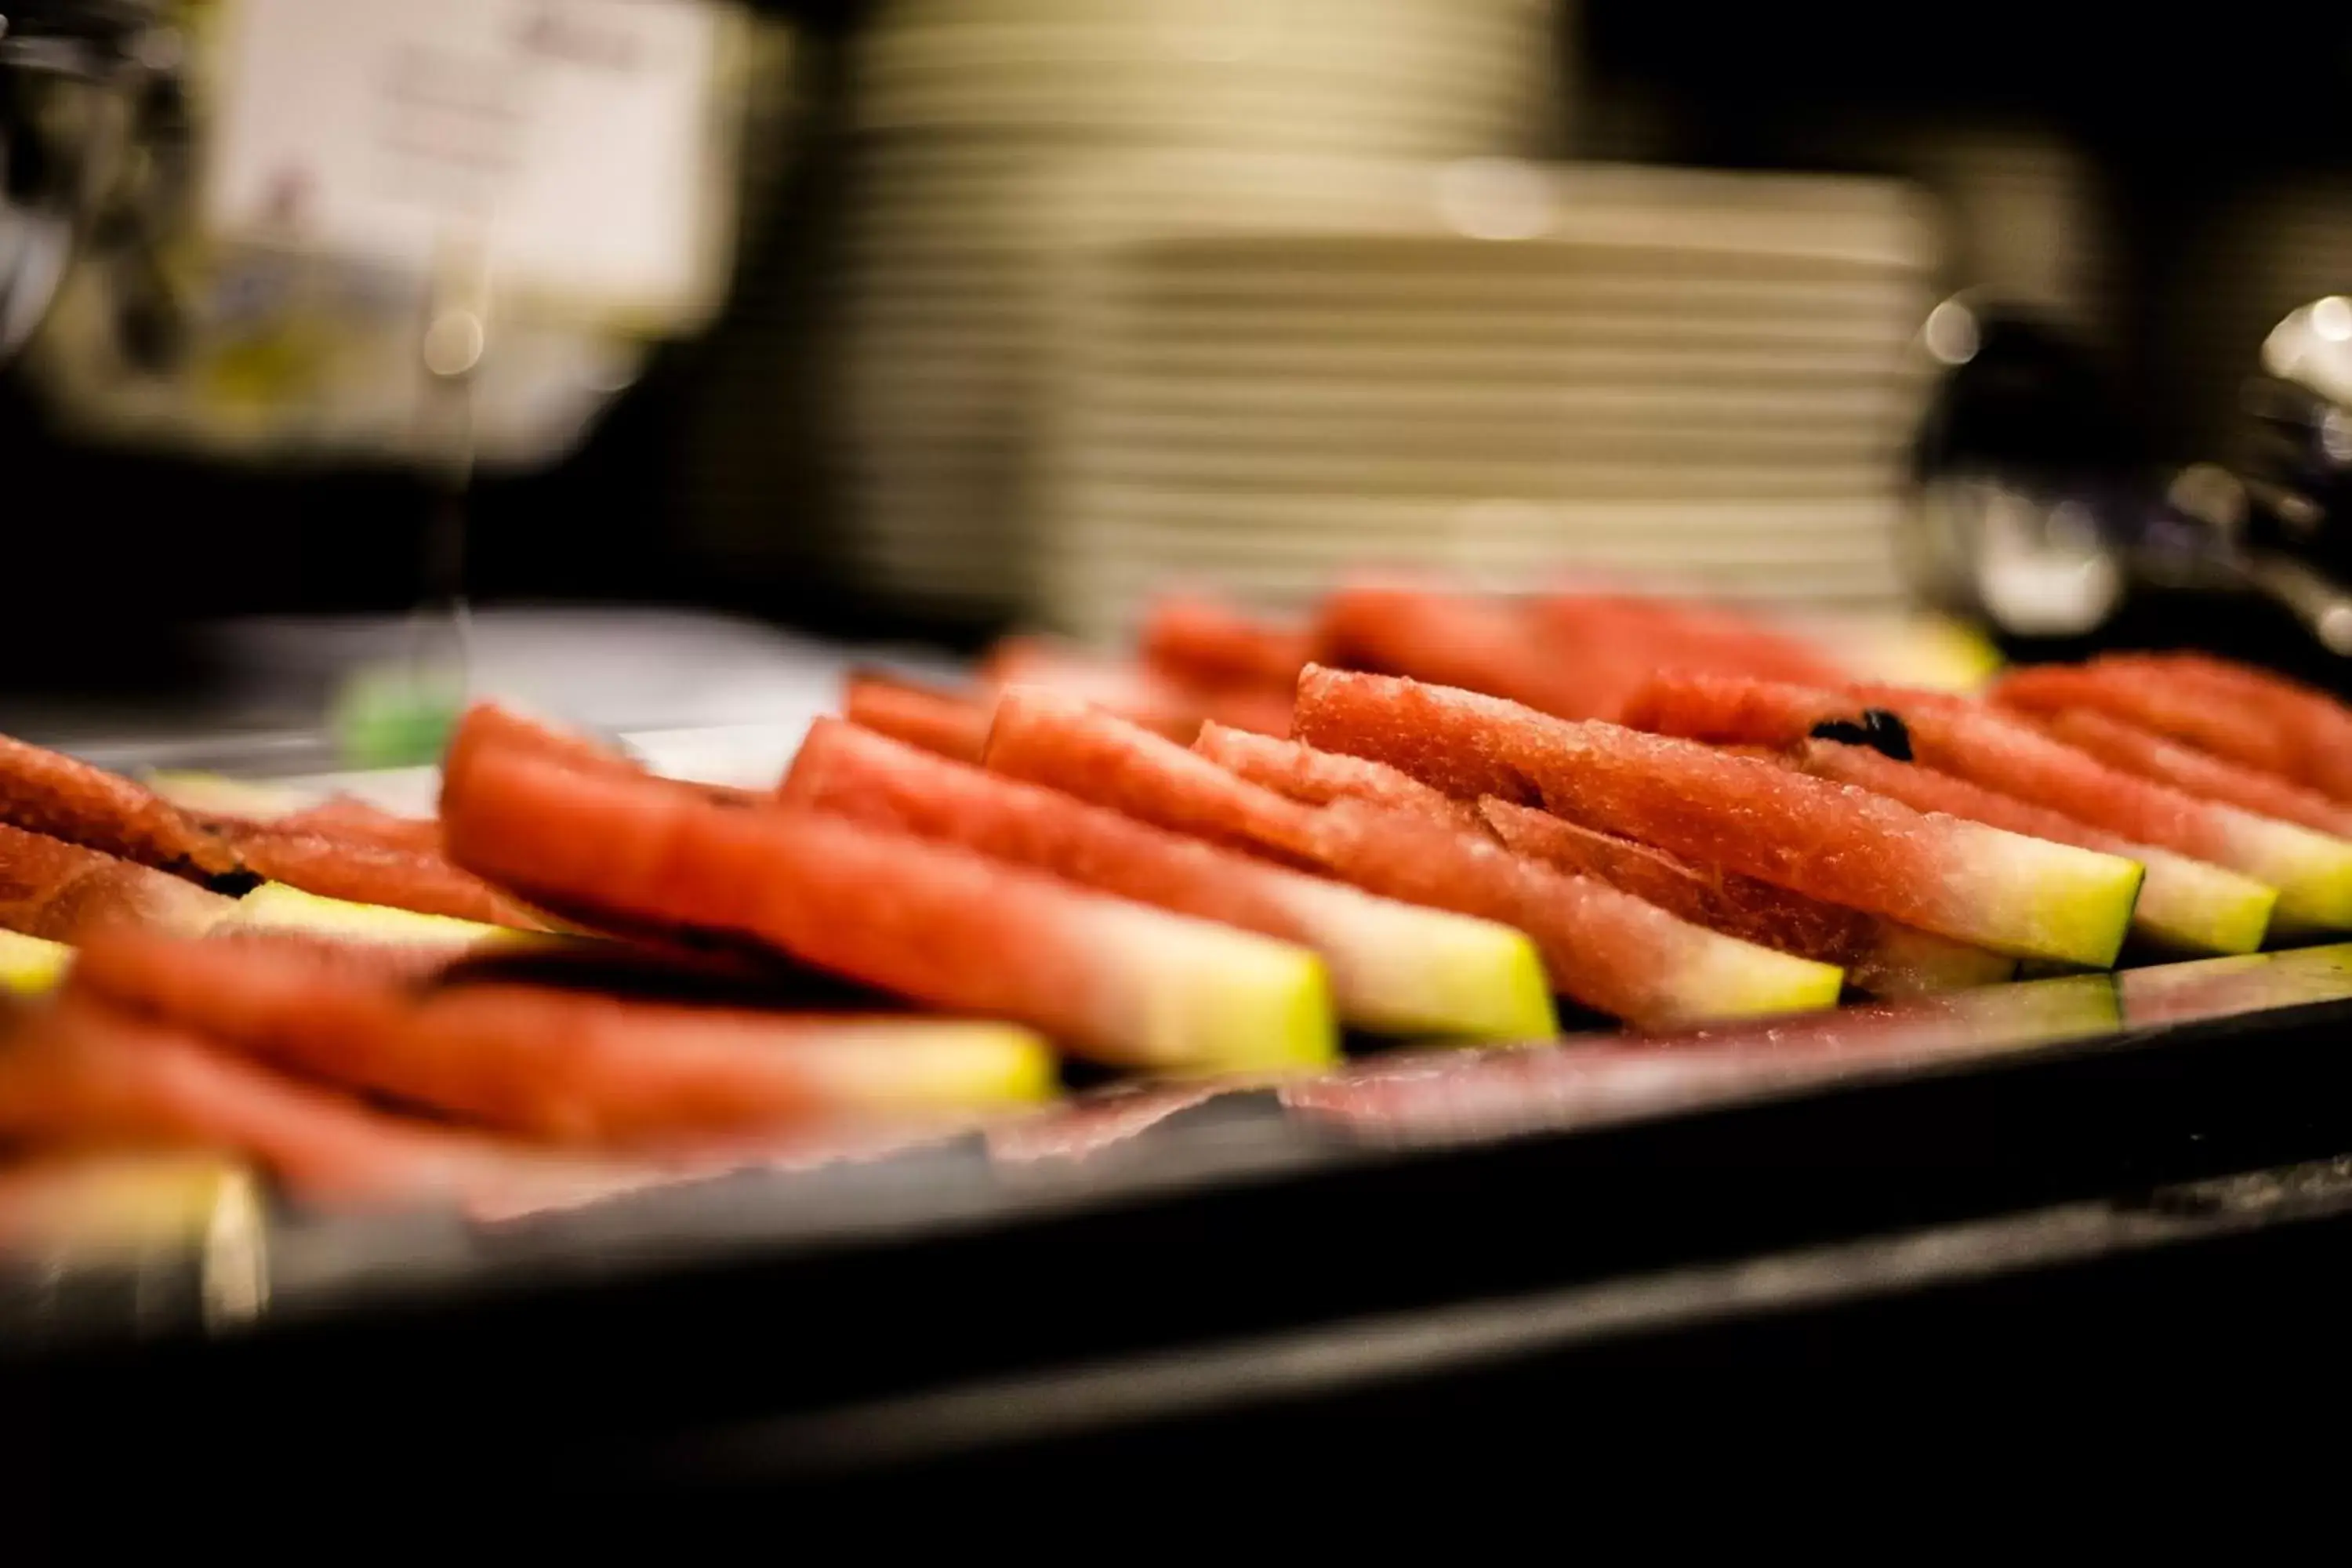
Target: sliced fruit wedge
(1978, 884)
(2212, 706)
(1065, 743)
(1480, 644)
(63, 891)
(953, 724)
(2152, 756)
(1605, 947)
(569, 1066)
(1602, 947)
(1127, 983)
(2311, 871)
(82, 1074)
(1210, 643)
(2185, 905)
(1881, 956)
(379, 875)
(275, 907)
(46, 791)
(1394, 968)
(1319, 778)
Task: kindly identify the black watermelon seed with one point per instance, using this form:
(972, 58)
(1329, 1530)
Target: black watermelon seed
(1879, 730)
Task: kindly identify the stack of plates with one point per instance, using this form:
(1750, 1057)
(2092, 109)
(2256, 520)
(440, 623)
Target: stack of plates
(966, 110)
(1704, 381)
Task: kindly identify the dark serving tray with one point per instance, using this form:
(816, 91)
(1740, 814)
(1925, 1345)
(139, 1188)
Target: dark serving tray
(1318, 1256)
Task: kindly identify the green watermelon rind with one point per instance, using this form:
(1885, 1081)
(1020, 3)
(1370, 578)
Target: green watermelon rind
(1201, 997)
(2312, 871)
(31, 965)
(2194, 905)
(2037, 898)
(1404, 969)
(1723, 977)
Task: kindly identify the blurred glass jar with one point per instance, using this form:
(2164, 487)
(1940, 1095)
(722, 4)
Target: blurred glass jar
(155, 331)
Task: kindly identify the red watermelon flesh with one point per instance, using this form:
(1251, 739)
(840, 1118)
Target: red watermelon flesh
(568, 1065)
(46, 791)
(419, 880)
(2184, 904)
(1121, 687)
(1131, 984)
(1393, 967)
(1208, 643)
(1678, 635)
(2311, 871)
(2152, 756)
(64, 892)
(1064, 744)
(1259, 709)
(953, 724)
(347, 819)
(2217, 721)
(1480, 644)
(842, 772)
(1603, 947)
(2315, 726)
(1319, 778)
(1879, 955)
(81, 1074)
(1960, 879)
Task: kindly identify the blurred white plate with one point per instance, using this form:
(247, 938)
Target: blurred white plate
(1375, 472)
(1693, 360)
(1622, 406)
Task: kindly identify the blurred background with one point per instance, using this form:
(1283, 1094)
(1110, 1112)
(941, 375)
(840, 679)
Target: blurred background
(1008, 311)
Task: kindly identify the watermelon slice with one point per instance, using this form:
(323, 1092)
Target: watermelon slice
(1394, 968)
(1207, 642)
(1480, 644)
(62, 891)
(1128, 690)
(46, 792)
(375, 874)
(1605, 947)
(2315, 725)
(952, 723)
(1319, 778)
(275, 907)
(2221, 720)
(1960, 879)
(2311, 871)
(1058, 741)
(1133, 985)
(2152, 756)
(349, 820)
(2184, 905)
(1678, 635)
(568, 1065)
(1881, 956)
(82, 1074)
